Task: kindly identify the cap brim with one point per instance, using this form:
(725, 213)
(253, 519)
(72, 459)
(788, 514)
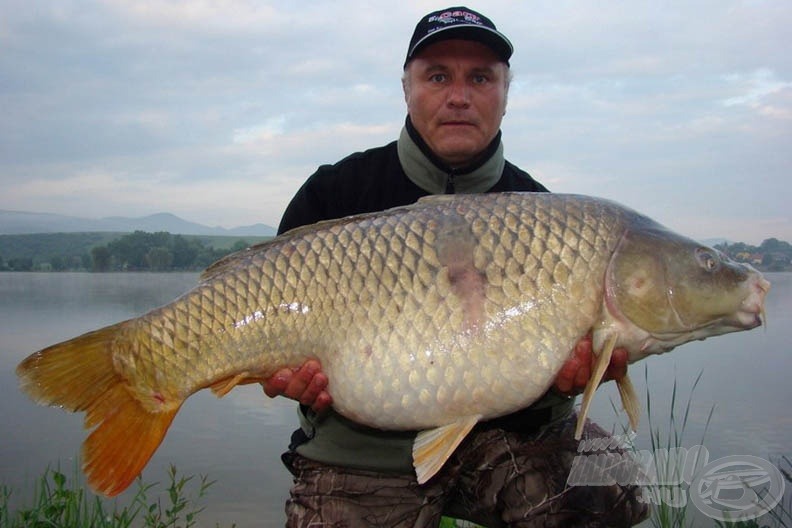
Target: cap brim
(494, 40)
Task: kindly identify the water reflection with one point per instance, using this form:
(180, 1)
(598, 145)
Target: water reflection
(236, 441)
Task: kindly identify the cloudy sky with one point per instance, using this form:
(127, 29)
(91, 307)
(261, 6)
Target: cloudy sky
(216, 111)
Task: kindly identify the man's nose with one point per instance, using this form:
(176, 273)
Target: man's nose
(459, 94)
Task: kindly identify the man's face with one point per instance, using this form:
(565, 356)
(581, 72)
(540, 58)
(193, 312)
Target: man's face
(456, 98)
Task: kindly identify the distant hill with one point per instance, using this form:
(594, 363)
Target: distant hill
(22, 223)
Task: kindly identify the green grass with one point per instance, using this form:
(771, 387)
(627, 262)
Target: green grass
(669, 437)
(448, 522)
(57, 502)
(664, 515)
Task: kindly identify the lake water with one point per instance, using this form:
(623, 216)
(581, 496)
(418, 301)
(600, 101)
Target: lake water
(237, 440)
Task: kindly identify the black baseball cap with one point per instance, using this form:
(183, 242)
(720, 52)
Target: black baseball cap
(458, 23)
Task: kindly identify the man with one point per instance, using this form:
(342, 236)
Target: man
(510, 471)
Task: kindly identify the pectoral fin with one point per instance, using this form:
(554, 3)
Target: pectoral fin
(629, 401)
(432, 447)
(603, 360)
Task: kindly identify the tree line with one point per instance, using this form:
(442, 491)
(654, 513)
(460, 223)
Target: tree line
(138, 251)
(771, 255)
(162, 251)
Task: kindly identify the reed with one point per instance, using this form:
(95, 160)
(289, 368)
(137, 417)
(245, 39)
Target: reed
(668, 437)
(665, 439)
(57, 501)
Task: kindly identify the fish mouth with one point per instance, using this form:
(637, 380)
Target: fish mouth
(752, 311)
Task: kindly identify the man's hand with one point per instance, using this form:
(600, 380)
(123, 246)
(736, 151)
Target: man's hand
(305, 384)
(575, 373)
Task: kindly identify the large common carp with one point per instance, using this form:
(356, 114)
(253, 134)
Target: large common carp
(427, 317)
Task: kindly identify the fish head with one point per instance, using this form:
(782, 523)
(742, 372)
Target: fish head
(669, 290)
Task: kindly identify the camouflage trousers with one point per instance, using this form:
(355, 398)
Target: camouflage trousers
(495, 479)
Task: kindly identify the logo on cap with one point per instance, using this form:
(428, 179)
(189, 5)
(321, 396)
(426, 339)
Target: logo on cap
(455, 17)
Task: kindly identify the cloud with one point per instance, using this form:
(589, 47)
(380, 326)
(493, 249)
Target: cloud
(219, 110)
(266, 131)
(754, 86)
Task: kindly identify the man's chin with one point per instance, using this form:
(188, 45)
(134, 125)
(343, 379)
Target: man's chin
(459, 153)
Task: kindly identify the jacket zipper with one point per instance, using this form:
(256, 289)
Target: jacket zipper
(450, 186)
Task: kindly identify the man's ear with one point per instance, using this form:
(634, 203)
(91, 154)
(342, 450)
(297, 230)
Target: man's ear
(508, 77)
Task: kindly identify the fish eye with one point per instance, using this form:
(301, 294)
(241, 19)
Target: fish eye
(707, 259)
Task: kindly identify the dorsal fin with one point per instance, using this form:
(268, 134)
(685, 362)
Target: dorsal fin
(240, 257)
(234, 259)
(438, 198)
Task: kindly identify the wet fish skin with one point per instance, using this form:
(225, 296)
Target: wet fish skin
(442, 313)
(385, 298)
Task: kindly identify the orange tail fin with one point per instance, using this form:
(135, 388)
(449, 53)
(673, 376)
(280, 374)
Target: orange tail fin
(79, 376)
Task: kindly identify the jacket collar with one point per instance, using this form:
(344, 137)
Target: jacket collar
(432, 175)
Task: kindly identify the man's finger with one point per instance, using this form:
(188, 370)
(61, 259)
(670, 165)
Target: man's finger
(581, 377)
(314, 388)
(322, 403)
(301, 379)
(277, 383)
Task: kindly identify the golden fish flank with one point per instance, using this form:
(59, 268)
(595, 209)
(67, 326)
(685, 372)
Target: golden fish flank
(428, 317)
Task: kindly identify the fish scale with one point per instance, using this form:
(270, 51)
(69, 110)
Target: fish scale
(428, 317)
(357, 254)
(432, 293)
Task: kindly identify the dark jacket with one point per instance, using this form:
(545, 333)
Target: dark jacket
(374, 180)
(380, 178)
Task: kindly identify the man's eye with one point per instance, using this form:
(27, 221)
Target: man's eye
(438, 77)
(480, 79)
